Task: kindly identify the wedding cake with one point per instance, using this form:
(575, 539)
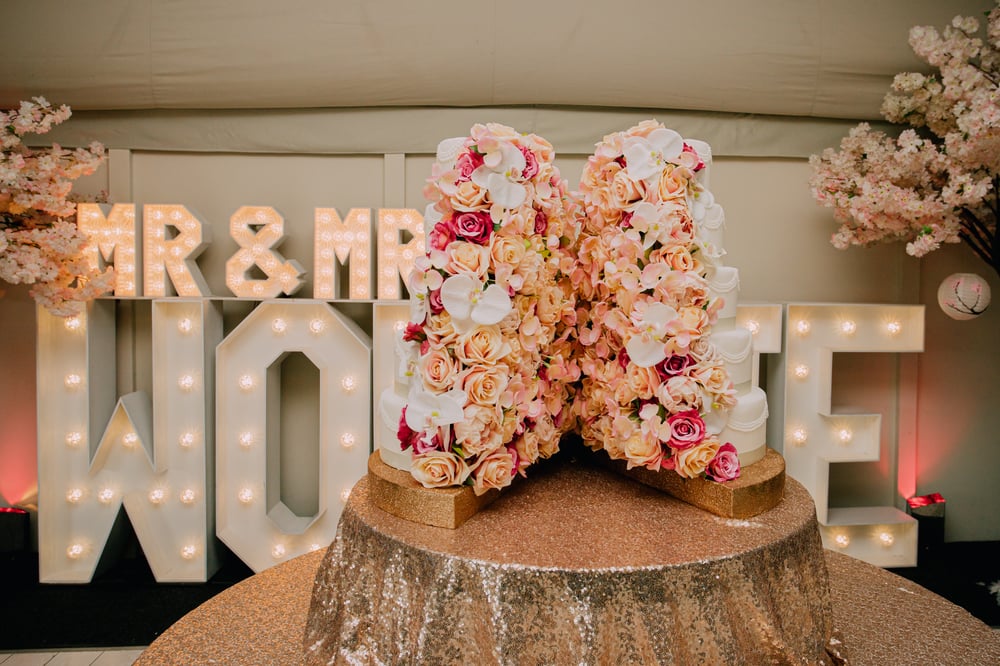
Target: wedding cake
(536, 312)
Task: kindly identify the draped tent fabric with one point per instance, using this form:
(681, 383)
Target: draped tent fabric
(812, 58)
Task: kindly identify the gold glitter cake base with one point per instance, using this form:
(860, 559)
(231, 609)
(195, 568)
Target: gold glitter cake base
(396, 492)
(759, 488)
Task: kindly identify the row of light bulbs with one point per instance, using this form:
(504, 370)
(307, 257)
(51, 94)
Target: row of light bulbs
(884, 538)
(800, 435)
(849, 327)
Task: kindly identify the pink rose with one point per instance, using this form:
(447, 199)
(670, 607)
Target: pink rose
(441, 235)
(434, 301)
(541, 222)
(474, 227)
(467, 163)
(421, 445)
(686, 430)
(530, 163)
(673, 365)
(700, 164)
(726, 464)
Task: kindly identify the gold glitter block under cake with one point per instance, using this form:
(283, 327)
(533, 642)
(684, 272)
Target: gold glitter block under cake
(398, 493)
(759, 488)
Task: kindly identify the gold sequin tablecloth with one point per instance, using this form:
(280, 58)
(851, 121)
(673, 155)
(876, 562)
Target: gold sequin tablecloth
(576, 566)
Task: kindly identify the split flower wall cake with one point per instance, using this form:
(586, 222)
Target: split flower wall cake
(537, 311)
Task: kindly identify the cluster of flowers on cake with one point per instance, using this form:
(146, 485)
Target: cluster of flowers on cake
(492, 311)
(40, 243)
(938, 181)
(654, 391)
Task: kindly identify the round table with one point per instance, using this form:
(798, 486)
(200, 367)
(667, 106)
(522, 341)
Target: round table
(576, 565)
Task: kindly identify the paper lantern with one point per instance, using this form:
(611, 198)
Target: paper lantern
(964, 296)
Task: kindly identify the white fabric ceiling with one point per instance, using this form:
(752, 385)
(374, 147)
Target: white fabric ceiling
(819, 58)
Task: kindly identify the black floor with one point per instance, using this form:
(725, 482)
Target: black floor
(125, 606)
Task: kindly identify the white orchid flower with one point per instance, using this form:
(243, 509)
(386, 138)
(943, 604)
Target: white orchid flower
(651, 222)
(699, 204)
(647, 347)
(449, 149)
(428, 411)
(646, 156)
(464, 298)
(431, 217)
(498, 175)
(424, 278)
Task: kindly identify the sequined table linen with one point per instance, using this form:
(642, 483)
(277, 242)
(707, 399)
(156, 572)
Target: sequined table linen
(575, 566)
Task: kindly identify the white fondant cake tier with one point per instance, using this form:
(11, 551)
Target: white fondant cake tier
(390, 407)
(735, 346)
(712, 227)
(746, 428)
(724, 282)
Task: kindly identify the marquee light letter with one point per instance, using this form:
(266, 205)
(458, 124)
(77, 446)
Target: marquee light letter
(396, 258)
(262, 531)
(256, 250)
(816, 437)
(338, 239)
(164, 255)
(112, 239)
(86, 476)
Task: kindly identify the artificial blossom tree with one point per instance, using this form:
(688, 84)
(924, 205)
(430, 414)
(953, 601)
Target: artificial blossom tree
(938, 181)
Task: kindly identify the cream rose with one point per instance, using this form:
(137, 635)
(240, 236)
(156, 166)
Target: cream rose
(506, 250)
(439, 469)
(626, 192)
(672, 184)
(483, 345)
(469, 197)
(643, 450)
(689, 463)
(496, 470)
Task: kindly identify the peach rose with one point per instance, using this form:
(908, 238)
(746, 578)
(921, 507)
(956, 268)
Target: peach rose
(643, 450)
(440, 331)
(527, 448)
(496, 470)
(439, 469)
(672, 184)
(465, 257)
(483, 345)
(479, 430)
(485, 384)
(438, 370)
(643, 382)
(689, 463)
(679, 259)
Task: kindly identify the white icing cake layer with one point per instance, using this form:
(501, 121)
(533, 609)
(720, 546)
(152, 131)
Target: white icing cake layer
(735, 346)
(712, 227)
(724, 282)
(746, 428)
